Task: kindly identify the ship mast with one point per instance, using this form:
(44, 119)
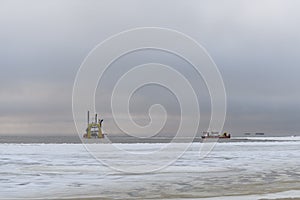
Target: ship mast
(88, 118)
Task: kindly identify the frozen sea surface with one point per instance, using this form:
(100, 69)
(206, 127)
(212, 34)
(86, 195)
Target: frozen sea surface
(239, 170)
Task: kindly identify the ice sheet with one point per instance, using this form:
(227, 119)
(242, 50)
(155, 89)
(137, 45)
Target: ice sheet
(231, 169)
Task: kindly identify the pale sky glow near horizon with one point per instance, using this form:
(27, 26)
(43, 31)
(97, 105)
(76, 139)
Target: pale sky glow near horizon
(255, 45)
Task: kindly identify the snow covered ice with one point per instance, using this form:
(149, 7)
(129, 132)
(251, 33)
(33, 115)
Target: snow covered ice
(231, 169)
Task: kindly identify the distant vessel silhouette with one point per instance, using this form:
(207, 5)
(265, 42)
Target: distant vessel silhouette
(207, 134)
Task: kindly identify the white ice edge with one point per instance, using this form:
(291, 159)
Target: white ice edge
(278, 195)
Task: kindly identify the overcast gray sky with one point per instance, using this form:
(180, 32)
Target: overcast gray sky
(255, 44)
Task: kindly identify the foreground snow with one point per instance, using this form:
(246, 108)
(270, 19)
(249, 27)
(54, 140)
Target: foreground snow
(239, 169)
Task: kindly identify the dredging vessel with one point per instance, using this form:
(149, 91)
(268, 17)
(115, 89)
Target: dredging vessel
(94, 133)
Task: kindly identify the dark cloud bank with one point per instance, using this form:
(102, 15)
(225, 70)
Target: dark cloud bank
(255, 44)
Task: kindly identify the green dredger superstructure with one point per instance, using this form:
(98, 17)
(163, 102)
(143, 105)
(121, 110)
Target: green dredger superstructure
(94, 129)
